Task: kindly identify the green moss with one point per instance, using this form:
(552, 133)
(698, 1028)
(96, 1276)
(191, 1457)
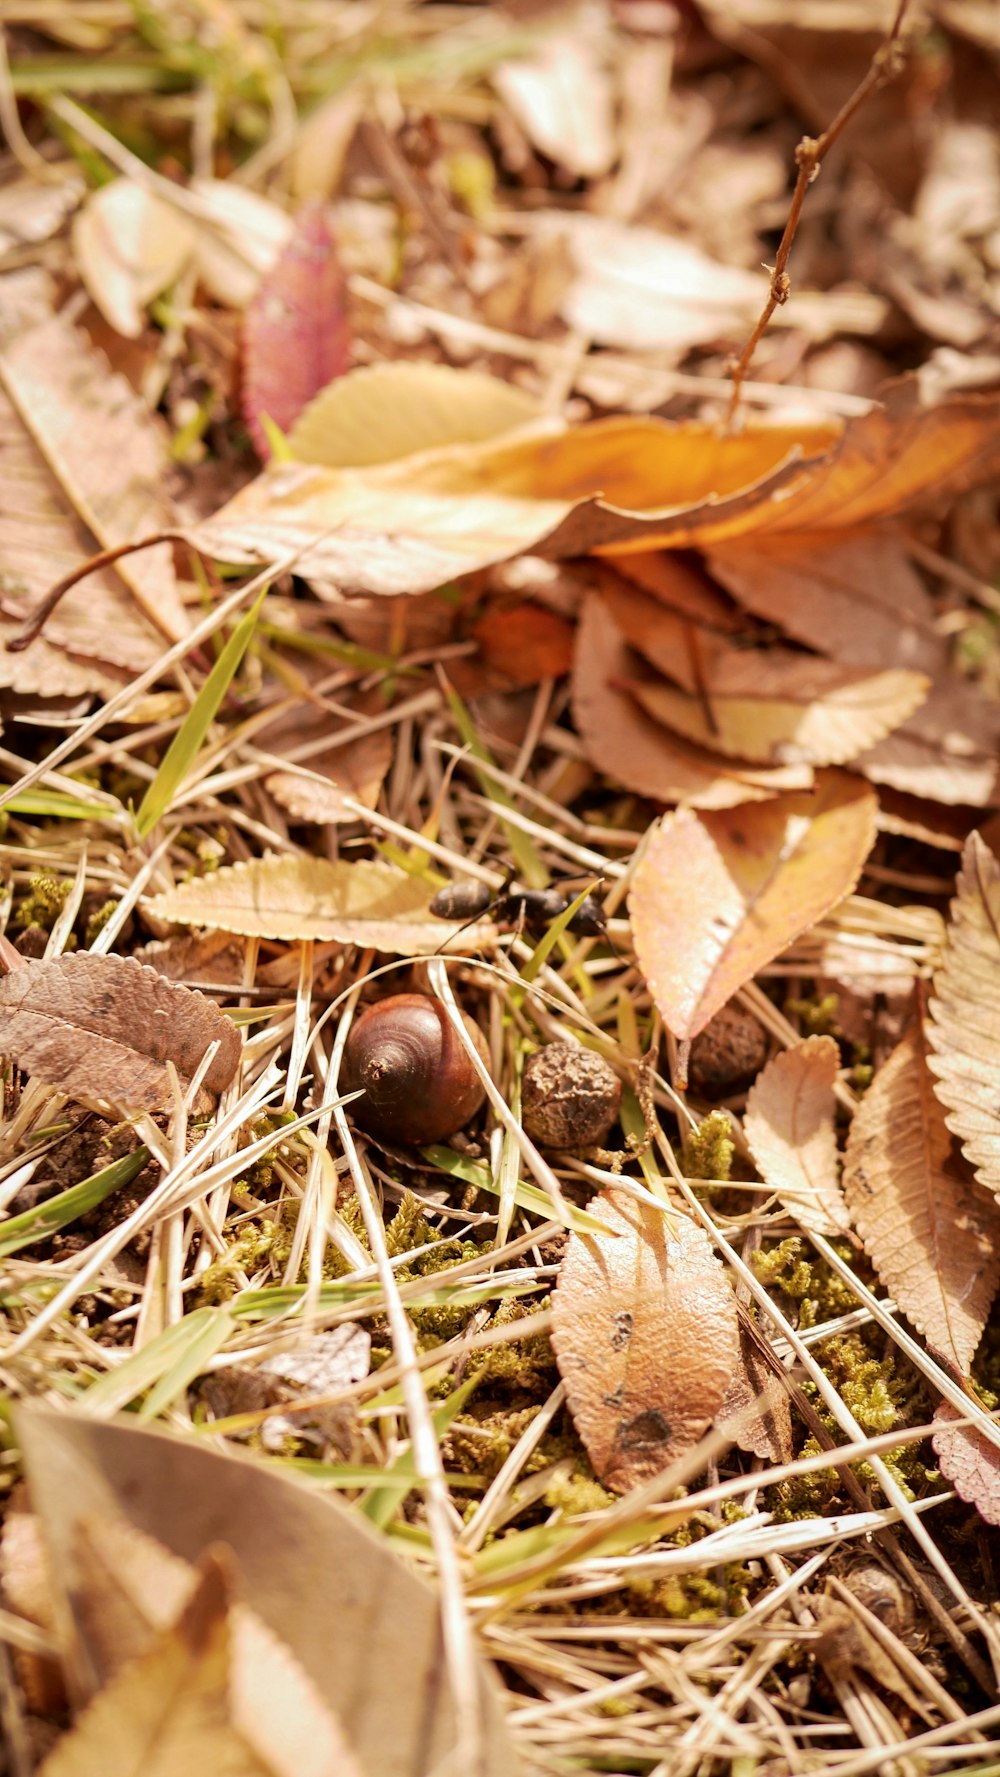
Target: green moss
(818, 1015)
(43, 901)
(576, 1494)
(708, 1150)
(97, 921)
(820, 1292)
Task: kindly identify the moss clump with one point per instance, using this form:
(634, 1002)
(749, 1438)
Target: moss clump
(818, 1015)
(708, 1150)
(577, 1494)
(820, 1292)
(883, 1393)
(43, 902)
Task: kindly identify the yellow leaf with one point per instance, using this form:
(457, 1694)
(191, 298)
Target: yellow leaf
(387, 411)
(789, 1125)
(718, 895)
(295, 898)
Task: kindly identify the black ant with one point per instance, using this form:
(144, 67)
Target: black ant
(525, 909)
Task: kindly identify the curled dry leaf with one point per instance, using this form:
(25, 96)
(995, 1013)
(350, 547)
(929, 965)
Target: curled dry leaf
(645, 1335)
(969, 1461)
(237, 238)
(563, 99)
(963, 1029)
(781, 708)
(106, 1027)
(624, 743)
(367, 902)
(789, 1126)
(932, 1233)
(718, 895)
(296, 337)
(642, 289)
(321, 1579)
(128, 245)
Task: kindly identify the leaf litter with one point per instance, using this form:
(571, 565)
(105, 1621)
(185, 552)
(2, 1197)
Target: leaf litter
(726, 668)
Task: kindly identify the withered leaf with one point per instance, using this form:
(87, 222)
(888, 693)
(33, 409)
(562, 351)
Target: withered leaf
(109, 454)
(756, 1410)
(168, 1712)
(295, 898)
(362, 1626)
(931, 1231)
(718, 895)
(296, 337)
(776, 707)
(969, 1461)
(789, 1126)
(964, 1025)
(645, 1336)
(352, 768)
(846, 1645)
(106, 1027)
(128, 245)
(563, 98)
(624, 743)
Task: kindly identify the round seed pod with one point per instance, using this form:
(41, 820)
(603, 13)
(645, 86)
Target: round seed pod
(728, 1054)
(419, 1083)
(569, 1097)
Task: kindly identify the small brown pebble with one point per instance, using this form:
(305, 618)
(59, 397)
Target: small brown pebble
(569, 1097)
(727, 1055)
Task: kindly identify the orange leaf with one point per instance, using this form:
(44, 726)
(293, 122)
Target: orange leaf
(718, 895)
(789, 1125)
(932, 1233)
(645, 1336)
(525, 643)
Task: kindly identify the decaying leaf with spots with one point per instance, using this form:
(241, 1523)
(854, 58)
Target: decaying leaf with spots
(964, 1025)
(789, 1126)
(969, 1461)
(718, 895)
(107, 1026)
(931, 1231)
(645, 1336)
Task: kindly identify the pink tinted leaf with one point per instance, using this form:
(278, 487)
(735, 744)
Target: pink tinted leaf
(296, 338)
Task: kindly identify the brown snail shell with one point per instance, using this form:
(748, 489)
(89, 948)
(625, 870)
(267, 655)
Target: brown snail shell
(419, 1082)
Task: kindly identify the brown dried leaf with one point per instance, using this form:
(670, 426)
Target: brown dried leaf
(679, 585)
(763, 1427)
(109, 454)
(969, 1461)
(646, 290)
(295, 898)
(321, 1579)
(169, 1711)
(853, 595)
(628, 747)
(128, 245)
(354, 768)
(296, 338)
(789, 1126)
(964, 1024)
(106, 1027)
(718, 895)
(645, 1336)
(931, 1232)
(776, 707)
(946, 750)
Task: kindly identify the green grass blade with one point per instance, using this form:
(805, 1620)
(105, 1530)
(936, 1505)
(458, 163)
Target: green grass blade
(381, 1503)
(527, 1196)
(56, 1212)
(165, 1366)
(186, 744)
(62, 807)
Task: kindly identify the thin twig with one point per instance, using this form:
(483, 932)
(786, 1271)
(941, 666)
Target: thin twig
(809, 156)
